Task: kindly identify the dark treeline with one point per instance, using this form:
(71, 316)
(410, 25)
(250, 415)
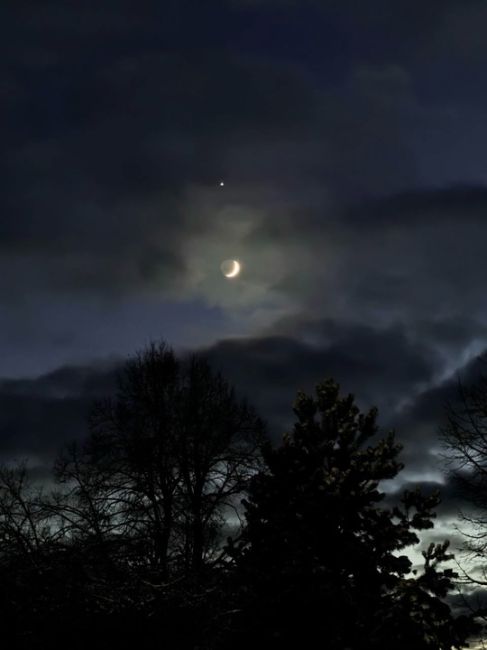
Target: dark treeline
(177, 524)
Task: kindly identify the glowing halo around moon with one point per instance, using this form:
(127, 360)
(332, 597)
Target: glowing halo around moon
(230, 268)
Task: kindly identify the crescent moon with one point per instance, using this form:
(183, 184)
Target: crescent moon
(233, 271)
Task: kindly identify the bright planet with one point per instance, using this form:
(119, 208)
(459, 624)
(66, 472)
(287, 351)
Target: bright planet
(230, 268)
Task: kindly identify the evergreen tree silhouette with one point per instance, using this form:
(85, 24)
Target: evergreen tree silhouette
(320, 558)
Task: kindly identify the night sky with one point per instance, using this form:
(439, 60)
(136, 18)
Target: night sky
(351, 141)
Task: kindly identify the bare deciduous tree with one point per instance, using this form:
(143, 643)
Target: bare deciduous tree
(464, 440)
(166, 457)
(25, 528)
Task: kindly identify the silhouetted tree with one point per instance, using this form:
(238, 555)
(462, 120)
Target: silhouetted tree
(320, 559)
(24, 529)
(164, 462)
(464, 439)
(30, 549)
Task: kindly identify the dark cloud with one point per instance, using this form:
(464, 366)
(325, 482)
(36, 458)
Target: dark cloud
(379, 367)
(120, 127)
(382, 368)
(39, 416)
(420, 421)
(95, 204)
(385, 368)
(419, 206)
(112, 119)
(412, 258)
